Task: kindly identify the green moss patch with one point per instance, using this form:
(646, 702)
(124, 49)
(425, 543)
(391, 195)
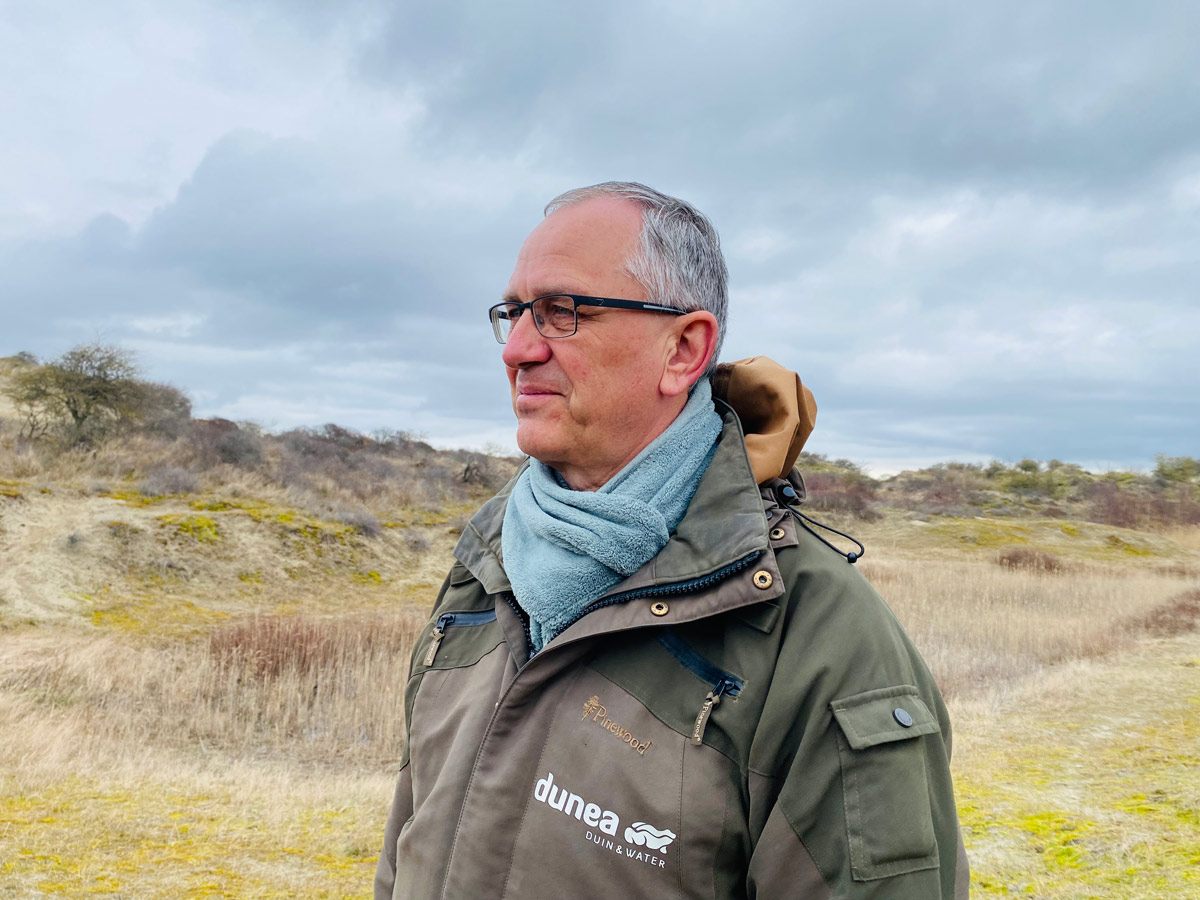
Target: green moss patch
(201, 528)
(1094, 795)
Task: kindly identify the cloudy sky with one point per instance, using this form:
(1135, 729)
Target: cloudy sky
(974, 229)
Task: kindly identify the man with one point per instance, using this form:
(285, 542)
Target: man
(642, 678)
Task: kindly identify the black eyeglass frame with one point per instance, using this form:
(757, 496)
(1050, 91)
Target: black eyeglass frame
(578, 300)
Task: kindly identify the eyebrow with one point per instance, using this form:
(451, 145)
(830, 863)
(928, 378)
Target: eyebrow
(510, 297)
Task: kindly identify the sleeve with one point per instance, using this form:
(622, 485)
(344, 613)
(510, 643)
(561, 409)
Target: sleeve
(402, 800)
(400, 812)
(859, 802)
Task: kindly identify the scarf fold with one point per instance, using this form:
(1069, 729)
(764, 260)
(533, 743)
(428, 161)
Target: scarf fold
(563, 549)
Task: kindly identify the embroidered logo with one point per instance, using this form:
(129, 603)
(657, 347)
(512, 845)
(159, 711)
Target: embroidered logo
(558, 797)
(602, 825)
(648, 836)
(595, 710)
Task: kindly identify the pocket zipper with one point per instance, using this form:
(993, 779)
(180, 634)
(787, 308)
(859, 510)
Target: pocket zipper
(445, 620)
(722, 682)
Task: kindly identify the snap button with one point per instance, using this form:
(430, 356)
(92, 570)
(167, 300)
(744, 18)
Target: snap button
(659, 608)
(777, 534)
(763, 579)
(901, 715)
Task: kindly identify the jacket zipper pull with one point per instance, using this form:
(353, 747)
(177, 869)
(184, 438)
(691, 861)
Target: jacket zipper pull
(702, 720)
(438, 634)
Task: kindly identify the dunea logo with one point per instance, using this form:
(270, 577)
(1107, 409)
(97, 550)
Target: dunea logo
(573, 805)
(639, 833)
(648, 836)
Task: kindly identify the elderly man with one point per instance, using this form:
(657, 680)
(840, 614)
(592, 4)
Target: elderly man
(645, 676)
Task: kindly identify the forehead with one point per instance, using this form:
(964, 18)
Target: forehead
(581, 248)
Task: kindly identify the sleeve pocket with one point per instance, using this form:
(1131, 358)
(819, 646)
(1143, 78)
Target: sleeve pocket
(886, 791)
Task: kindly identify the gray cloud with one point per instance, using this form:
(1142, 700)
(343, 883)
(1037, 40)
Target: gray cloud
(1074, 93)
(971, 229)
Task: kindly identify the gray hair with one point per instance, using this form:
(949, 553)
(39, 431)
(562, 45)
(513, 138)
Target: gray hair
(678, 260)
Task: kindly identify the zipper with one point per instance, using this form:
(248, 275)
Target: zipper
(667, 590)
(446, 620)
(511, 599)
(722, 682)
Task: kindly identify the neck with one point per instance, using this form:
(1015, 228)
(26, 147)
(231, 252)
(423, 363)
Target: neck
(595, 476)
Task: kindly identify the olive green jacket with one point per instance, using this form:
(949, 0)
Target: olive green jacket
(742, 717)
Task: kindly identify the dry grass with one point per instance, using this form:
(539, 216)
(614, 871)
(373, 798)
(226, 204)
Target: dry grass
(1185, 536)
(136, 563)
(981, 627)
(1029, 559)
(202, 694)
(1082, 783)
(309, 690)
(84, 816)
(254, 762)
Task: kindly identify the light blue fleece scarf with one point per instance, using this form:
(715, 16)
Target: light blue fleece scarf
(563, 548)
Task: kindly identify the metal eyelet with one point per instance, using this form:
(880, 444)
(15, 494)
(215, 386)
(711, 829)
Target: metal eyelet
(777, 534)
(763, 579)
(659, 608)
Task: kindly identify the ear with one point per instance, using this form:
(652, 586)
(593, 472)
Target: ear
(693, 341)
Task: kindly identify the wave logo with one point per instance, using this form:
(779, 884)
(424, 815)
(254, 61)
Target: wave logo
(648, 836)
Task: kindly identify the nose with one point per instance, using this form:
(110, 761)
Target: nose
(525, 345)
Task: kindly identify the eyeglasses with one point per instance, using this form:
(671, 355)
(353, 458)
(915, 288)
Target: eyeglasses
(557, 316)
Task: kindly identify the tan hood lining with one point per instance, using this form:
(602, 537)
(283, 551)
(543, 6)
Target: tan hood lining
(777, 411)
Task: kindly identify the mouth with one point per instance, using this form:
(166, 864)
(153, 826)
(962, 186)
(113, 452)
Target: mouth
(526, 389)
(533, 396)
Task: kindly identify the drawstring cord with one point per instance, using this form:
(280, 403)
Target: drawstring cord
(787, 494)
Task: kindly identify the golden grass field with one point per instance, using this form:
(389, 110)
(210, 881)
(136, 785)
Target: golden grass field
(201, 694)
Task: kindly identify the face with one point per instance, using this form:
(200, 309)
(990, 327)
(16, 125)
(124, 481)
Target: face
(588, 403)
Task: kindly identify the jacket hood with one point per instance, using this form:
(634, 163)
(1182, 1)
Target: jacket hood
(777, 412)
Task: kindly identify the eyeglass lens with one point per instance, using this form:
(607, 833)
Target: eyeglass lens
(553, 316)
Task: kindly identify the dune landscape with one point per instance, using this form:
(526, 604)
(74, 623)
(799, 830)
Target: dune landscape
(205, 630)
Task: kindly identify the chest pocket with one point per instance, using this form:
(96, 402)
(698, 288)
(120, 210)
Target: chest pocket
(882, 756)
(458, 639)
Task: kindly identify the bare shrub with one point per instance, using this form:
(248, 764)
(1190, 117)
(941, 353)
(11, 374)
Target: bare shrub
(1179, 570)
(267, 647)
(1030, 560)
(946, 489)
(307, 687)
(91, 393)
(317, 690)
(1177, 616)
(403, 443)
(167, 480)
(1109, 505)
(417, 542)
(344, 438)
(162, 409)
(216, 441)
(1176, 504)
(481, 469)
(842, 492)
(360, 520)
(241, 448)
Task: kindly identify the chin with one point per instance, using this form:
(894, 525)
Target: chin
(532, 441)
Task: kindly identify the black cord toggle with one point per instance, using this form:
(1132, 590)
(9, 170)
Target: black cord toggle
(787, 493)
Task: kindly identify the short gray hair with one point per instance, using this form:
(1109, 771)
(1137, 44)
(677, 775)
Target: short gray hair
(678, 260)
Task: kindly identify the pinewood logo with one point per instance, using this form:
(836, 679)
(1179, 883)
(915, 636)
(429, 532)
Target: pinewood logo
(595, 710)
